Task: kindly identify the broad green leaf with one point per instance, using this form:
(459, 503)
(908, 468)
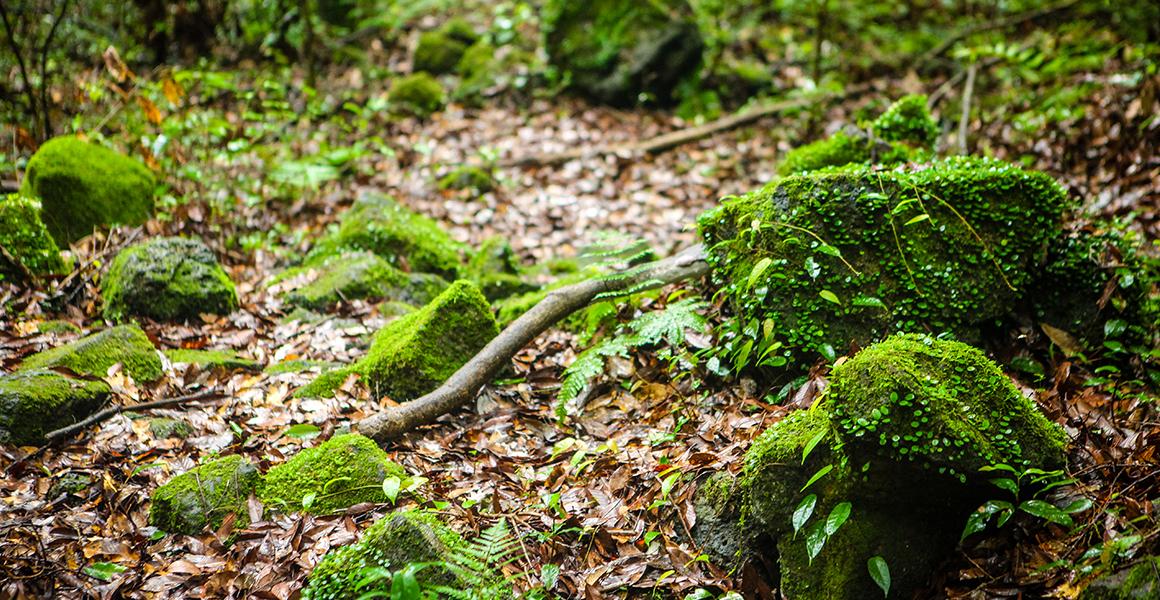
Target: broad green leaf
(868, 301)
(405, 586)
(838, 517)
(918, 219)
(104, 570)
(303, 431)
(812, 443)
(803, 512)
(1009, 485)
(308, 500)
(758, 269)
(1046, 511)
(820, 474)
(391, 487)
(830, 250)
(880, 573)
(1078, 506)
(815, 540)
(829, 296)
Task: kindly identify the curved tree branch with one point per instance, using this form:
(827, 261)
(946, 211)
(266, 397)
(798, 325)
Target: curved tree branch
(462, 387)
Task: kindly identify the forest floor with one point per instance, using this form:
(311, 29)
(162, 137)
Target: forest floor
(605, 494)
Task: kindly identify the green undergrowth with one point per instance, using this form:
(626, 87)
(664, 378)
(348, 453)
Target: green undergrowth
(25, 239)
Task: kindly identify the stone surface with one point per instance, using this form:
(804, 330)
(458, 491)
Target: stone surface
(33, 403)
(167, 279)
(204, 496)
(344, 471)
(95, 353)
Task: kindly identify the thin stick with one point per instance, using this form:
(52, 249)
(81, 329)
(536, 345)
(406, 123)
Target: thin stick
(99, 416)
(965, 117)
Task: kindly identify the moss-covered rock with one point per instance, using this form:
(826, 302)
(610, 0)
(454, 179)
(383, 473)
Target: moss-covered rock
(57, 327)
(95, 353)
(162, 427)
(852, 255)
(418, 95)
(328, 280)
(417, 352)
(213, 359)
(468, 177)
(33, 403)
(298, 365)
(75, 484)
(204, 496)
(167, 279)
(619, 52)
(24, 237)
(486, 69)
(406, 239)
(398, 539)
(82, 185)
(440, 50)
(1134, 583)
(908, 121)
(344, 471)
(495, 268)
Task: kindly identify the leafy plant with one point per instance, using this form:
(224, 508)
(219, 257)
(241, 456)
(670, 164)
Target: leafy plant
(1017, 483)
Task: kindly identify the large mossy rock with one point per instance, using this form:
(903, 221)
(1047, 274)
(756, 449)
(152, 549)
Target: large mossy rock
(24, 238)
(439, 51)
(406, 239)
(167, 279)
(417, 352)
(851, 255)
(396, 540)
(344, 471)
(205, 495)
(417, 95)
(33, 403)
(82, 185)
(95, 353)
(1139, 582)
(905, 428)
(328, 280)
(620, 51)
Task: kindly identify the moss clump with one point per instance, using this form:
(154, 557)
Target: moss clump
(94, 354)
(496, 270)
(855, 254)
(328, 280)
(406, 239)
(24, 237)
(213, 359)
(33, 403)
(344, 471)
(73, 483)
(621, 52)
(204, 496)
(417, 352)
(467, 177)
(907, 121)
(83, 185)
(418, 95)
(297, 366)
(167, 279)
(439, 51)
(485, 69)
(162, 428)
(1135, 583)
(57, 327)
(398, 539)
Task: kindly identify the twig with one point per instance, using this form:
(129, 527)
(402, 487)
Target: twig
(462, 386)
(15, 261)
(28, 91)
(99, 416)
(965, 117)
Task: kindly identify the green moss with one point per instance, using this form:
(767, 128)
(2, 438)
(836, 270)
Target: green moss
(57, 327)
(167, 279)
(469, 177)
(94, 354)
(418, 95)
(622, 51)
(495, 268)
(72, 483)
(344, 471)
(484, 69)
(24, 237)
(941, 404)
(82, 185)
(33, 403)
(297, 366)
(1135, 583)
(328, 280)
(439, 51)
(204, 496)
(398, 539)
(855, 254)
(908, 121)
(417, 352)
(406, 239)
(162, 428)
(395, 309)
(214, 359)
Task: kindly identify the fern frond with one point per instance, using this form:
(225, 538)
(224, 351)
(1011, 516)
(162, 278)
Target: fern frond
(669, 324)
(588, 365)
(476, 565)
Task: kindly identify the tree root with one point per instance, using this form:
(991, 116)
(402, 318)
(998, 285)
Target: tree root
(462, 386)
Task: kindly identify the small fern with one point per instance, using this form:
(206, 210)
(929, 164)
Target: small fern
(477, 565)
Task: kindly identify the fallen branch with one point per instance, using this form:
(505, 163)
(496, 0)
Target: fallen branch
(462, 387)
(680, 137)
(99, 416)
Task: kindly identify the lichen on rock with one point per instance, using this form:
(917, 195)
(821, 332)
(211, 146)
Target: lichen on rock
(24, 237)
(167, 279)
(35, 402)
(95, 353)
(82, 185)
(417, 352)
(205, 496)
(345, 470)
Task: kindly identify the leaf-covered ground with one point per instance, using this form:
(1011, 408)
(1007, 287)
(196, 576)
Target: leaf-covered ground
(607, 494)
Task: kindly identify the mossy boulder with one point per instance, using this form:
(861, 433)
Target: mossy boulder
(851, 255)
(486, 69)
(1138, 582)
(162, 427)
(468, 177)
(495, 268)
(167, 279)
(213, 359)
(328, 280)
(95, 353)
(35, 402)
(904, 132)
(418, 95)
(619, 52)
(24, 238)
(440, 50)
(205, 496)
(901, 436)
(418, 351)
(406, 239)
(396, 540)
(82, 185)
(345, 470)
